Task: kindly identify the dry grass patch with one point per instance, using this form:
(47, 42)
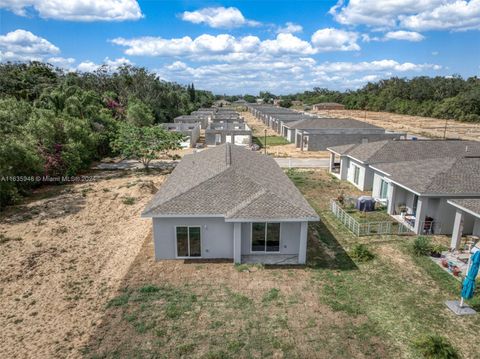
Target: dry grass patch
(64, 252)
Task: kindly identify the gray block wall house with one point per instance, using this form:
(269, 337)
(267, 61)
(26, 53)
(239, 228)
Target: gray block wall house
(316, 134)
(202, 120)
(416, 180)
(230, 202)
(191, 131)
(236, 133)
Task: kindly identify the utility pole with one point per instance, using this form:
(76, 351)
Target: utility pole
(445, 129)
(265, 141)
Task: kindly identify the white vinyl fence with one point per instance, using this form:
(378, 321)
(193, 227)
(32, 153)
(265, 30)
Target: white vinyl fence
(367, 228)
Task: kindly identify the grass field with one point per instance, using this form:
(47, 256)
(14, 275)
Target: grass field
(334, 307)
(271, 141)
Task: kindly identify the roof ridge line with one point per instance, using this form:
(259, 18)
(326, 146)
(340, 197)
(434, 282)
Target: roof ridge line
(454, 161)
(245, 203)
(183, 192)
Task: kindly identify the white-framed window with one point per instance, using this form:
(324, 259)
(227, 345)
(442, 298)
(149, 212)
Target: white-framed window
(356, 174)
(265, 237)
(188, 240)
(383, 189)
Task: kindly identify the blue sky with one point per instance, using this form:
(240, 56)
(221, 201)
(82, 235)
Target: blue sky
(236, 47)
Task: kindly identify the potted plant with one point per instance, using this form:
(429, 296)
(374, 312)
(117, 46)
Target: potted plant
(437, 250)
(444, 263)
(456, 271)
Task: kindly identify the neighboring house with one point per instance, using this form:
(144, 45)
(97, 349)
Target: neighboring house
(230, 202)
(219, 118)
(218, 133)
(191, 131)
(352, 162)
(466, 211)
(325, 106)
(319, 133)
(221, 103)
(415, 179)
(417, 191)
(203, 120)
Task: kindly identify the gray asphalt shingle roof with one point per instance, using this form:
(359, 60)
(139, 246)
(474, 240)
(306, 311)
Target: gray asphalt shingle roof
(325, 122)
(471, 204)
(450, 175)
(232, 182)
(396, 151)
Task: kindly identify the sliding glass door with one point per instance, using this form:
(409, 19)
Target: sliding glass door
(265, 237)
(188, 241)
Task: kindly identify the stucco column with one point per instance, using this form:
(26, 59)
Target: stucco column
(476, 227)
(391, 193)
(457, 230)
(237, 242)
(332, 161)
(302, 249)
(422, 206)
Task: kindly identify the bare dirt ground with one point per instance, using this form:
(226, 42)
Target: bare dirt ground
(63, 254)
(288, 150)
(421, 126)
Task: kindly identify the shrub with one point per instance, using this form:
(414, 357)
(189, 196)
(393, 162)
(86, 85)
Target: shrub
(271, 295)
(149, 289)
(436, 347)
(361, 253)
(422, 246)
(128, 200)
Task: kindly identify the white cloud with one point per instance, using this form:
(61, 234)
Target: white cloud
(371, 12)
(395, 35)
(218, 17)
(456, 15)
(286, 44)
(290, 28)
(22, 45)
(87, 66)
(223, 46)
(90, 66)
(77, 10)
(331, 39)
(418, 15)
(286, 75)
(404, 35)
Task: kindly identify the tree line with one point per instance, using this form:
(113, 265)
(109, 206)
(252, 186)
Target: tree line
(55, 123)
(439, 97)
(442, 97)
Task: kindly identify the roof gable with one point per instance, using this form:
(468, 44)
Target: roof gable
(225, 181)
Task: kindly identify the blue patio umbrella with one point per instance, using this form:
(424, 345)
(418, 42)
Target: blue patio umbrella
(468, 287)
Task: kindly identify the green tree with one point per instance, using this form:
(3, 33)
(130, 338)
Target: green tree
(145, 143)
(139, 114)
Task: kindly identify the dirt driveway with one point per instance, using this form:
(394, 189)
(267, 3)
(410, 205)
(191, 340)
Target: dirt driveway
(63, 255)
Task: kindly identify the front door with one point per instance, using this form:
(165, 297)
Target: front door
(189, 243)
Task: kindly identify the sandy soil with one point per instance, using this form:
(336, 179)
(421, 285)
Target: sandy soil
(422, 126)
(289, 150)
(64, 253)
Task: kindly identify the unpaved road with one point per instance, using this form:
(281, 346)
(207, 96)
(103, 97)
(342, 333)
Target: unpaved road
(63, 255)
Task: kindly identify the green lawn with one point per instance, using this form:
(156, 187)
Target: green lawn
(271, 141)
(335, 307)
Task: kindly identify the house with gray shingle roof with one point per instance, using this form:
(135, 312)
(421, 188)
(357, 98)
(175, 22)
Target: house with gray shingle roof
(466, 210)
(415, 179)
(230, 202)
